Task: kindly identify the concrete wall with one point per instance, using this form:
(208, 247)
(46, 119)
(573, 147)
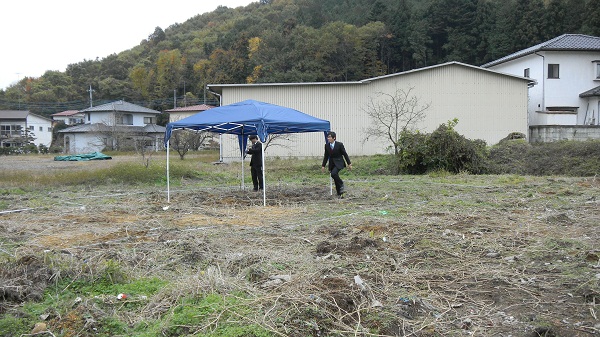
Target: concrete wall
(552, 133)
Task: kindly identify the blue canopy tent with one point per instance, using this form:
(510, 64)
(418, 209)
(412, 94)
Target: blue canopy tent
(247, 118)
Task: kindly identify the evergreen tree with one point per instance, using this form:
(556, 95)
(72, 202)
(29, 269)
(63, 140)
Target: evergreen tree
(502, 40)
(530, 23)
(555, 19)
(398, 54)
(591, 24)
(574, 15)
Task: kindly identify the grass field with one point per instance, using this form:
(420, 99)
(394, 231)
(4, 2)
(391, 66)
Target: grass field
(430, 255)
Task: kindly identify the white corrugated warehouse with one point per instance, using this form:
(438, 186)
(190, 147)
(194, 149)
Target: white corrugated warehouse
(489, 105)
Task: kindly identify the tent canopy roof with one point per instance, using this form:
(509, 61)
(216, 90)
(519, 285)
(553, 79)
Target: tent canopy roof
(250, 117)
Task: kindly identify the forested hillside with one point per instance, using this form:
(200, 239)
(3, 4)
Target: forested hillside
(302, 41)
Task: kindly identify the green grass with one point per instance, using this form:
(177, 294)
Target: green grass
(195, 316)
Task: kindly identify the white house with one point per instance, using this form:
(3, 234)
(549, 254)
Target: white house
(177, 114)
(567, 72)
(17, 125)
(488, 104)
(69, 117)
(115, 125)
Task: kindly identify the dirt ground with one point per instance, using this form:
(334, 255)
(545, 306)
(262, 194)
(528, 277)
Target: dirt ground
(401, 256)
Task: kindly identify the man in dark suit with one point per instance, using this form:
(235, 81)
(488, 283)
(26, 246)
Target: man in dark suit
(335, 153)
(256, 162)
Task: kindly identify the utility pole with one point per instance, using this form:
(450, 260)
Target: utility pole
(174, 98)
(184, 97)
(19, 89)
(91, 90)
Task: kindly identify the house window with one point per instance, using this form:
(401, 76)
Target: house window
(127, 119)
(41, 128)
(553, 70)
(597, 66)
(526, 72)
(10, 130)
(31, 128)
(49, 129)
(148, 120)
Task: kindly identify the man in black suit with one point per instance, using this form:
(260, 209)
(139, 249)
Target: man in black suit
(256, 162)
(335, 153)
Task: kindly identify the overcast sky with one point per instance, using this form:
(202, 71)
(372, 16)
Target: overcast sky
(40, 35)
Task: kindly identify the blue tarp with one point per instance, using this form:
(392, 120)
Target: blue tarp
(250, 117)
(83, 157)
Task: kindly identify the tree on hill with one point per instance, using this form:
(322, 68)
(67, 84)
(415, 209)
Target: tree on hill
(301, 41)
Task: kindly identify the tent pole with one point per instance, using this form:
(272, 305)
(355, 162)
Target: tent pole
(262, 156)
(168, 186)
(330, 185)
(243, 182)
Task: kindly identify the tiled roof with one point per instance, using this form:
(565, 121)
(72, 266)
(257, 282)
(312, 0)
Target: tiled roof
(99, 127)
(592, 92)
(121, 106)
(565, 42)
(13, 114)
(200, 107)
(66, 113)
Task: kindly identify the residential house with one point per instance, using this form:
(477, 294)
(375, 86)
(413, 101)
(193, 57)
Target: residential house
(69, 117)
(18, 125)
(567, 91)
(117, 125)
(183, 112)
(180, 113)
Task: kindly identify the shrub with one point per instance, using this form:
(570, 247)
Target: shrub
(444, 149)
(450, 151)
(413, 148)
(570, 158)
(43, 149)
(509, 156)
(55, 149)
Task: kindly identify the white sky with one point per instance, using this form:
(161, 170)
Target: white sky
(41, 35)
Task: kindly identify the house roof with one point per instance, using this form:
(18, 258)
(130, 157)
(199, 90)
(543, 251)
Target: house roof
(13, 114)
(120, 106)
(100, 127)
(192, 108)
(41, 117)
(67, 113)
(219, 87)
(592, 92)
(565, 42)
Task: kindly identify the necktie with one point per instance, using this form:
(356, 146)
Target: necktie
(331, 145)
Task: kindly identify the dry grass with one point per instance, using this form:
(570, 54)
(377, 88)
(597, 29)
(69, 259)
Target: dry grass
(434, 256)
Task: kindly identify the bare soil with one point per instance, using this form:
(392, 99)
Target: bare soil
(399, 256)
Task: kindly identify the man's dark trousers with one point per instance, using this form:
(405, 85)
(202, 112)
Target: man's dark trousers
(257, 177)
(339, 184)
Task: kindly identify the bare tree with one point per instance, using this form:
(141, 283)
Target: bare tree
(278, 140)
(144, 146)
(184, 140)
(393, 113)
